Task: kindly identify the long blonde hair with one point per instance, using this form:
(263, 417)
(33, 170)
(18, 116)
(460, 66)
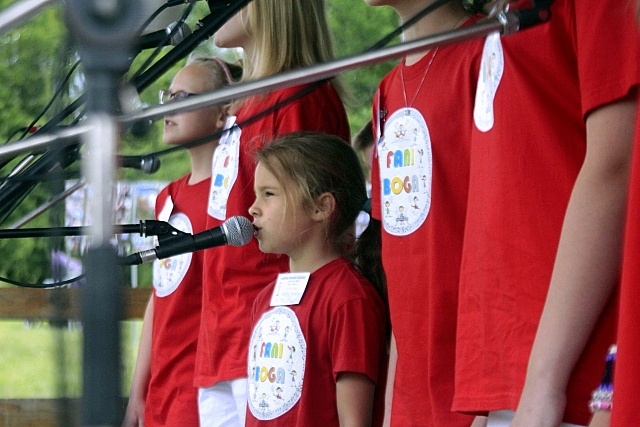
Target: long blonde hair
(289, 34)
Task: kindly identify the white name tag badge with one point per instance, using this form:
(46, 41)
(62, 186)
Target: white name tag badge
(289, 289)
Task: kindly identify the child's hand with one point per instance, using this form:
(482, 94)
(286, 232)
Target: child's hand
(134, 417)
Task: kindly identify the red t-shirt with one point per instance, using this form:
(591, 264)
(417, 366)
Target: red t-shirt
(626, 410)
(234, 276)
(522, 172)
(420, 180)
(296, 352)
(177, 298)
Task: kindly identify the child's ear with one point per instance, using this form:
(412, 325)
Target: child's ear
(326, 207)
(221, 115)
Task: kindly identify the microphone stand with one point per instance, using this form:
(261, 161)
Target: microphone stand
(105, 33)
(207, 26)
(144, 228)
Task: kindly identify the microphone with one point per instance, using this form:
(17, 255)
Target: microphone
(147, 164)
(166, 37)
(236, 231)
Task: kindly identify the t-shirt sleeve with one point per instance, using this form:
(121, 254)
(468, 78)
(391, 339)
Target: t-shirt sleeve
(607, 46)
(356, 338)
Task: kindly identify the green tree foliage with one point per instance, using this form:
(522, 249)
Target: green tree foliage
(29, 67)
(356, 27)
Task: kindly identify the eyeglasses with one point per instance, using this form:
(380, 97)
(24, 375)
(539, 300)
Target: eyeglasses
(168, 96)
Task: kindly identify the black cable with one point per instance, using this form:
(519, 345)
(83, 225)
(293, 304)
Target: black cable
(153, 16)
(28, 129)
(59, 89)
(42, 285)
(66, 174)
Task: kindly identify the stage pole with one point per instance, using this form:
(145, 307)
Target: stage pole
(105, 32)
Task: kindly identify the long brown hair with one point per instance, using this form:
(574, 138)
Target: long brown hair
(319, 163)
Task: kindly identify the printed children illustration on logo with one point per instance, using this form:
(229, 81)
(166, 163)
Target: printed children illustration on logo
(405, 163)
(401, 216)
(276, 364)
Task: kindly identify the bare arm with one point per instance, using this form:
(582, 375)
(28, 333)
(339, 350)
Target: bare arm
(479, 421)
(391, 374)
(354, 395)
(601, 419)
(586, 266)
(135, 407)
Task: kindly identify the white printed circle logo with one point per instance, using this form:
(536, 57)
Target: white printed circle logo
(169, 272)
(405, 160)
(277, 354)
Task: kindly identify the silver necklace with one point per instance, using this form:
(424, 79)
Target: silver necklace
(424, 76)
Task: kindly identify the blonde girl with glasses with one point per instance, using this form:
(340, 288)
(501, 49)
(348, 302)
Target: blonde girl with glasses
(162, 391)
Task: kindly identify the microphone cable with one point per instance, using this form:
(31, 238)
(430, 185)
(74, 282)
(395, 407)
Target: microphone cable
(57, 93)
(27, 130)
(153, 16)
(52, 285)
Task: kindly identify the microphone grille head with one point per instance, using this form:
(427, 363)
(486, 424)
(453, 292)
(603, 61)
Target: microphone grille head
(150, 164)
(239, 231)
(180, 34)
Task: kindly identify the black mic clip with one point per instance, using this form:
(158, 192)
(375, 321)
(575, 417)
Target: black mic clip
(162, 229)
(165, 232)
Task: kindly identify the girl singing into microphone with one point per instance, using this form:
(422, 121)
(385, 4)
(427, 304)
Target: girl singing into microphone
(275, 36)
(317, 353)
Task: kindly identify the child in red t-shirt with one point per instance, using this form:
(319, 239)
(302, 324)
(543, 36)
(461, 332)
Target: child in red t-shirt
(317, 352)
(162, 391)
(276, 36)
